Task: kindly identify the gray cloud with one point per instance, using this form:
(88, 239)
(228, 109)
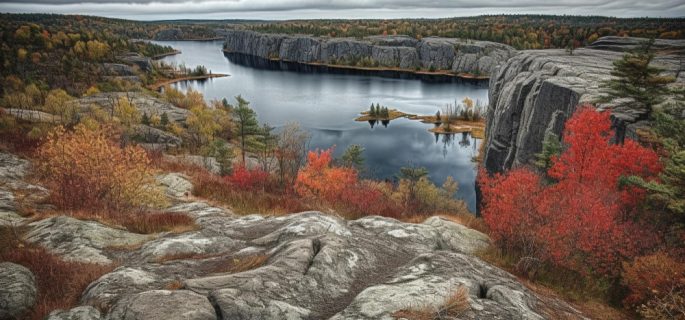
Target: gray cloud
(292, 9)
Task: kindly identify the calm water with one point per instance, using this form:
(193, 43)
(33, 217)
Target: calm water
(327, 103)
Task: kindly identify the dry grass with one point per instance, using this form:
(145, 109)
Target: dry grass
(453, 306)
(466, 219)
(241, 264)
(139, 222)
(215, 188)
(174, 285)
(60, 283)
(585, 294)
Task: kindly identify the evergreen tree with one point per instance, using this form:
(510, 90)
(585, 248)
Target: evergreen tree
(551, 147)
(223, 154)
(353, 157)
(372, 111)
(164, 120)
(266, 147)
(145, 119)
(437, 116)
(246, 125)
(636, 79)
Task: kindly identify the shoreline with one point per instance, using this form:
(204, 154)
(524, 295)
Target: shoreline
(163, 55)
(439, 73)
(158, 85)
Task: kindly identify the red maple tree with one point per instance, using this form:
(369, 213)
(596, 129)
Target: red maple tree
(585, 221)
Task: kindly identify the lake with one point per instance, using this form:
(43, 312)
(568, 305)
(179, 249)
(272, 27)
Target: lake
(326, 104)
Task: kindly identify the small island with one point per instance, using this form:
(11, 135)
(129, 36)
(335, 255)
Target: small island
(468, 116)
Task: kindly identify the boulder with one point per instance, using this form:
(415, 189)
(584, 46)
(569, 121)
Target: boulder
(177, 185)
(78, 313)
(136, 59)
(17, 290)
(164, 304)
(77, 240)
(149, 135)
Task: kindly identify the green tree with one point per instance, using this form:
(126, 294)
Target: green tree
(145, 119)
(551, 147)
(223, 154)
(246, 125)
(353, 157)
(164, 120)
(266, 147)
(635, 78)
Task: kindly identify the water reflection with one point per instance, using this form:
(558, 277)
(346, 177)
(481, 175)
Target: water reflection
(327, 104)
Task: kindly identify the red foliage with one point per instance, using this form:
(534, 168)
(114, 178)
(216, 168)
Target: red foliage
(320, 179)
(585, 220)
(653, 276)
(244, 178)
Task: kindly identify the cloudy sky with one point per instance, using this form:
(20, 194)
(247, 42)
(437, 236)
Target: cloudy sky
(305, 9)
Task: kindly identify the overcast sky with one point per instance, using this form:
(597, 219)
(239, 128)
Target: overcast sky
(308, 9)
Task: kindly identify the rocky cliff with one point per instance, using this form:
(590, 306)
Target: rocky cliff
(537, 90)
(308, 265)
(457, 55)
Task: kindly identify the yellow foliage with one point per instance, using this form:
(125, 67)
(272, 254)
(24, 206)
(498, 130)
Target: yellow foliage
(58, 103)
(91, 91)
(85, 171)
(126, 112)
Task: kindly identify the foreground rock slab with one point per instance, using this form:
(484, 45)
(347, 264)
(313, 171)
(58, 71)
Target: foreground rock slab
(17, 290)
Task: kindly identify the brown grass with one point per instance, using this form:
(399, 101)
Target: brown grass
(241, 264)
(215, 188)
(466, 219)
(138, 222)
(453, 306)
(392, 115)
(589, 295)
(174, 285)
(60, 283)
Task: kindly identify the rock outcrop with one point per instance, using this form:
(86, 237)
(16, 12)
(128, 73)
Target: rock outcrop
(17, 290)
(536, 91)
(145, 103)
(457, 55)
(308, 265)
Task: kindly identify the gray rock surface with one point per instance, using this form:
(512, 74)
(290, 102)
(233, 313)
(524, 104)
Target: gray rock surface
(78, 240)
(457, 55)
(171, 305)
(78, 313)
(308, 265)
(133, 58)
(17, 290)
(144, 102)
(33, 115)
(209, 163)
(536, 91)
(14, 191)
(177, 185)
(149, 135)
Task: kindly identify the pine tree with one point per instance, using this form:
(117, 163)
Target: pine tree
(353, 158)
(145, 119)
(372, 111)
(636, 79)
(164, 120)
(246, 125)
(551, 147)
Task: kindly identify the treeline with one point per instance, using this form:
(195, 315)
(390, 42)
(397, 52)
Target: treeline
(519, 31)
(67, 52)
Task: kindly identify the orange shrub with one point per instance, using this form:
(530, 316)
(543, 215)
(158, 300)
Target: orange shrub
(86, 170)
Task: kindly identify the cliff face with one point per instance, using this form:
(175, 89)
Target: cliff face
(457, 55)
(536, 91)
